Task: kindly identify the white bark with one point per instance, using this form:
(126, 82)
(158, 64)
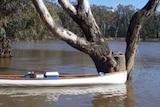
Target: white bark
(68, 6)
(84, 18)
(93, 42)
(57, 30)
(86, 5)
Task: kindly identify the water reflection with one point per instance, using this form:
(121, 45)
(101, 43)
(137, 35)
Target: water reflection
(5, 62)
(40, 60)
(127, 100)
(130, 99)
(71, 95)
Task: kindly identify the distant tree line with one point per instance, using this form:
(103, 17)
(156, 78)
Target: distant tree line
(19, 20)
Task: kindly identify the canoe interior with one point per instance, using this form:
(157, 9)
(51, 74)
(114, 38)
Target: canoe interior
(60, 76)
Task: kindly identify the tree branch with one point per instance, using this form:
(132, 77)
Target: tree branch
(93, 44)
(68, 6)
(61, 33)
(84, 18)
(85, 6)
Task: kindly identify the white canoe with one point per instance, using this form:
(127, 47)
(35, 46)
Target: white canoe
(65, 80)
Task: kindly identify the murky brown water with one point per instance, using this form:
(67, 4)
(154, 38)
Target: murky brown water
(58, 56)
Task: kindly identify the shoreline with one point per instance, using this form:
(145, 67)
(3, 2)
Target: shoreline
(107, 38)
(141, 39)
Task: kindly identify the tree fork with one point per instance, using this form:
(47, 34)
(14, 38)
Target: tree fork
(93, 43)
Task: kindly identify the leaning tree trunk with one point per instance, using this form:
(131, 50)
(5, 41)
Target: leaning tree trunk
(135, 26)
(93, 43)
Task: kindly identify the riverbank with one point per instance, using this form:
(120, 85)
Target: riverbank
(141, 39)
(108, 39)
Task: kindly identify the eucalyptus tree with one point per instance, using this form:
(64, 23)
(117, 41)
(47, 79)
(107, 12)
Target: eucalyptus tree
(93, 42)
(105, 18)
(7, 8)
(19, 19)
(151, 28)
(67, 22)
(123, 16)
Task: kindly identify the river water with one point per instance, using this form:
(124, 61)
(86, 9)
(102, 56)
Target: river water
(143, 91)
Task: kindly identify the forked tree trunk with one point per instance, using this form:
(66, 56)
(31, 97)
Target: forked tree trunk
(93, 43)
(133, 36)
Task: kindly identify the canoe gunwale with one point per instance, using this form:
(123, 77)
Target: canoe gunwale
(22, 77)
(65, 80)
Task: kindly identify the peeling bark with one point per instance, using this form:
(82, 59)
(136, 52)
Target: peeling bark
(57, 30)
(93, 43)
(98, 49)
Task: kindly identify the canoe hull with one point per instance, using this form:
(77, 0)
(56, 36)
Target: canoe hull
(115, 78)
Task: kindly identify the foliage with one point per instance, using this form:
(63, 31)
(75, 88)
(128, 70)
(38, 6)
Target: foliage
(67, 22)
(151, 29)
(20, 20)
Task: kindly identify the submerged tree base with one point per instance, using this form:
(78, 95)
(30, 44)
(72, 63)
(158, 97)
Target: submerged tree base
(5, 47)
